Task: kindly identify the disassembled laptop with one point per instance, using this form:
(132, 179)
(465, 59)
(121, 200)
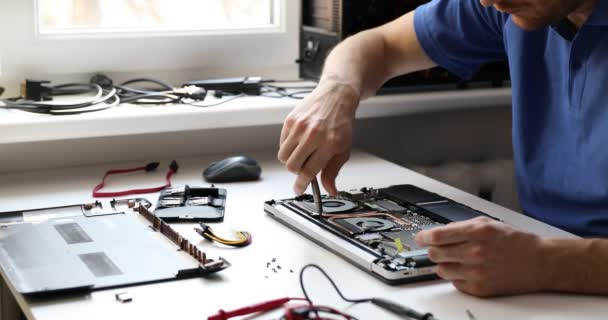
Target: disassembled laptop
(103, 245)
(374, 228)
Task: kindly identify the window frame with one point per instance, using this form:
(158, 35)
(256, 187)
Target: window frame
(26, 53)
(276, 26)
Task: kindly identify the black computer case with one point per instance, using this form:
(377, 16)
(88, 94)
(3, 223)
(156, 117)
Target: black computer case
(327, 22)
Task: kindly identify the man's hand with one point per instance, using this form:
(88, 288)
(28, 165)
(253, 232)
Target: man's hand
(484, 257)
(317, 134)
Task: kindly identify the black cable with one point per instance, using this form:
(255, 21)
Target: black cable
(388, 305)
(27, 103)
(72, 88)
(280, 92)
(109, 104)
(161, 95)
(110, 99)
(160, 83)
(286, 81)
(102, 96)
(151, 98)
(107, 96)
(290, 87)
(295, 95)
(215, 104)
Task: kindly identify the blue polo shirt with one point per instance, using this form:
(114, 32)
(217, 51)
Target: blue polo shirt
(560, 103)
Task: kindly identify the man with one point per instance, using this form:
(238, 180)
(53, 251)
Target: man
(558, 55)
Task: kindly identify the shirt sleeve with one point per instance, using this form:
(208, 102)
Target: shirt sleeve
(460, 35)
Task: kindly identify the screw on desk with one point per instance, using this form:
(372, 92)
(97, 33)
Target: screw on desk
(470, 315)
(123, 297)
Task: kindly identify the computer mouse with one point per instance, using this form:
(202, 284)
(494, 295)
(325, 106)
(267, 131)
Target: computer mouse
(233, 169)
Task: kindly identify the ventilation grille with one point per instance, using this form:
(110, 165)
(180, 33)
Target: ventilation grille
(336, 14)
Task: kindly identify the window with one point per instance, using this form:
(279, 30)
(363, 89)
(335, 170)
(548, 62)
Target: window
(69, 40)
(119, 16)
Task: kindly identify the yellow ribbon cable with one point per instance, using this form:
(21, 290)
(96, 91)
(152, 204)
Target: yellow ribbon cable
(243, 238)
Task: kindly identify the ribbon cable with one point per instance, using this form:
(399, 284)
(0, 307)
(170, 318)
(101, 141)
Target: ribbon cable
(173, 167)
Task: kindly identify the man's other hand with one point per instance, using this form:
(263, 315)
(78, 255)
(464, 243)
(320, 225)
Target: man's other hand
(483, 257)
(317, 134)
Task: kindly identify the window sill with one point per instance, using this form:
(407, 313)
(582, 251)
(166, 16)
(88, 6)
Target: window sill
(20, 127)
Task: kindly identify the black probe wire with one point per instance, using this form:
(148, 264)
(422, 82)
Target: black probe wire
(330, 281)
(382, 303)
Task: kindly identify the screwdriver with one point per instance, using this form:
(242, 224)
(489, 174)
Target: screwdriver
(316, 195)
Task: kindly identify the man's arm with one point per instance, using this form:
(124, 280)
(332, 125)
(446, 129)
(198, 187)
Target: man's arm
(368, 59)
(484, 257)
(317, 134)
(576, 265)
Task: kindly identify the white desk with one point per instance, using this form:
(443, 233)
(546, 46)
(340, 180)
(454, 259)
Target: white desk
(245, 282)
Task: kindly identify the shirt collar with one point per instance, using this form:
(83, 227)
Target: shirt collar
(599, 17)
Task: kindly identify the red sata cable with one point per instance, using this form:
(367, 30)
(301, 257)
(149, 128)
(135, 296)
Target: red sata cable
(149, 167)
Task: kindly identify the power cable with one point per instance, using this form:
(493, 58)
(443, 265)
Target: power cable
(36, 95)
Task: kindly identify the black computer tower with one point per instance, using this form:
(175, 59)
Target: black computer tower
(327, 22)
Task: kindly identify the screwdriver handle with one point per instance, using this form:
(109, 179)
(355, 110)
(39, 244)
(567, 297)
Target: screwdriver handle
(401, 310)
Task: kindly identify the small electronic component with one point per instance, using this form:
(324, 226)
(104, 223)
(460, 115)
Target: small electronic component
(243, 237)
(198, 201)
(247, 85)
(191, 204)
(353, 195)
(170, 202)
(36, 90)
(405, 237)
(390, 206)
(123, 297)
(369, 237)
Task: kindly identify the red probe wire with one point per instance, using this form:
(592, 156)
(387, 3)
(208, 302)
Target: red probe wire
(173, 167)
(260, 307)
